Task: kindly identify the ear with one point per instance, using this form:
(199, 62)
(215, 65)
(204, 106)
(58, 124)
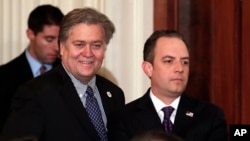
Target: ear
(147, 68)
(30, 34)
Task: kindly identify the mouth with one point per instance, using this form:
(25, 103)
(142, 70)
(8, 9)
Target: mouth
(87, 62)
(53, 56)
(177, 79)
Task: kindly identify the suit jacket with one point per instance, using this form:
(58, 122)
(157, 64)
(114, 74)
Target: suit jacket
(12, 75)
(194, 121)
(49, 108)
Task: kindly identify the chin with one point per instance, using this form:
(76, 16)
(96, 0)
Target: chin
(86, 73)
(179, 92)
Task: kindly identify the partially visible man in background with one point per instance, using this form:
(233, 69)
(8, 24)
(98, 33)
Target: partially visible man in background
(156, 135)
(40, 56)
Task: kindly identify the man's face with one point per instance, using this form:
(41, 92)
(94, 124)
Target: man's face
(43, 45)
(83, 52)
(170, 69)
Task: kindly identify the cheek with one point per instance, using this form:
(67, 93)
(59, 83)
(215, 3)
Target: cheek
(70, 52)
(186, 71)
(41, 41)
(162, 74)
(38, 41)
(61, 50)
(99, 55)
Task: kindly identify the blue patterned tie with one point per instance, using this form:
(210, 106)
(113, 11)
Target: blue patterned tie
(95, 115)
(168, 126)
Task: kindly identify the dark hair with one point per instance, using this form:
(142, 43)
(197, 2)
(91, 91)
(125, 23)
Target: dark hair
(44, 15)
(88, 16)
(149, 46)
(156, 135)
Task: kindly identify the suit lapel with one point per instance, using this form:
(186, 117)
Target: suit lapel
(106, 95)
(72, 99)
(24, 68)
(147, 116)
(185, 115)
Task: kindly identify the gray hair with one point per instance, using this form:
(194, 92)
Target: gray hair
(88, 16)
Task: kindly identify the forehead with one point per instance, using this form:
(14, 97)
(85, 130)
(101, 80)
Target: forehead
(172, 46)
(50, 27)
(87, 30)
(50, 30)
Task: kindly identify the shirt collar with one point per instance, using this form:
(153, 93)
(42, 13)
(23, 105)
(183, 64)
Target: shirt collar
(80, 87)
(158, 104)
(35, 64)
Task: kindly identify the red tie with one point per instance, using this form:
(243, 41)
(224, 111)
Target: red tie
(42, 69)
(168, 125)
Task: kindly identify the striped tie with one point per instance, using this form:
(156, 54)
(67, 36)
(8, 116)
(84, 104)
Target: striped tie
(168, 125)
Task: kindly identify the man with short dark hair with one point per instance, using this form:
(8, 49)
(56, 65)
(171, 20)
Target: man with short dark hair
(40, 55)
(165, 106)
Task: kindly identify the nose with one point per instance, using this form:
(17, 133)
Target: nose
(87, 51)
(178, 67)
(55, 46)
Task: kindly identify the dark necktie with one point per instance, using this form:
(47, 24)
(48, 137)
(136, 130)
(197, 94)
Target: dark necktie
(42, 69)
(95, 115)
(168, 125)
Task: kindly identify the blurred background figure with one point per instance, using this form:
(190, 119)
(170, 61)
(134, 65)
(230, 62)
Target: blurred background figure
(28, 138)
(156, 135)
(40, 56)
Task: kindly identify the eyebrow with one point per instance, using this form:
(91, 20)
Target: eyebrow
(81, 41)
(182, 58)
(185, 58)
(49, 36)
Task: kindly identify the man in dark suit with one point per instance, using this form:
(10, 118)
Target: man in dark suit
(55, 106)
(42, 32)
(166, 63)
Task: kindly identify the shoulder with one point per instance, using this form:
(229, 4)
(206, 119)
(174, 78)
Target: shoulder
(16, 61)
(142, 102)
(41, 89)
(102, 79)
(15, 64)
(16, 69)
(197, 102)
(136, 107)
(104, 82)
(43, 84)
(200, 107)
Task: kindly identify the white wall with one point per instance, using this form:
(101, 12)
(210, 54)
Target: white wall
(134, 23)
